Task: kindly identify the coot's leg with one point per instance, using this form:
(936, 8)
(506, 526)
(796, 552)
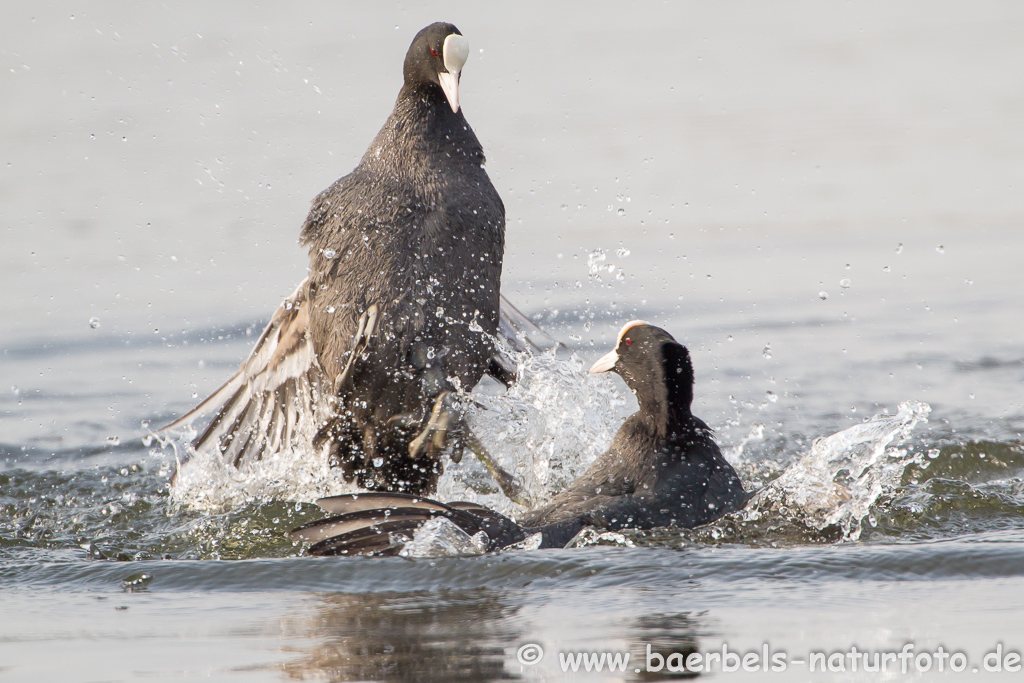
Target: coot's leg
(508, 484)
(367, 325)
(434, 436)
(447, 428)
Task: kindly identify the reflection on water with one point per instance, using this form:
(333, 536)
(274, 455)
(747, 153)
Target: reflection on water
(442, 636)
(667, 635)
(465, 636)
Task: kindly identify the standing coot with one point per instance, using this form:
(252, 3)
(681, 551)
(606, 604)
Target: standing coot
(662, 469)
(400, 303)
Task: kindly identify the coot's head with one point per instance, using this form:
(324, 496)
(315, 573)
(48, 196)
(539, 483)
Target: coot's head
(655, 366)
(436, 56)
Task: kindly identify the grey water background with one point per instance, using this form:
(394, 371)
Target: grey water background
(825, 203)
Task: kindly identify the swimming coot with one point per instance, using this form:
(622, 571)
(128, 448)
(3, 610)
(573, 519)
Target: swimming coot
(662, 469)
(400, 305)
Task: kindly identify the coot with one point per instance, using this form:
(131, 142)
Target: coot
(400, 305)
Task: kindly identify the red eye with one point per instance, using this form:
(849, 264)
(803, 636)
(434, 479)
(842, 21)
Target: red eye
(433, 52)
(628, 341)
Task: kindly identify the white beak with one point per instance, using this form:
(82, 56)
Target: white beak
(455, 52)
(450, 85)
(605, 363)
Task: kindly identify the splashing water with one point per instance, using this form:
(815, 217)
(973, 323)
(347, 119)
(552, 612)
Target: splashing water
(590, 536)
(545, 430)
(838, 479)
(439, 537)
(204, 481)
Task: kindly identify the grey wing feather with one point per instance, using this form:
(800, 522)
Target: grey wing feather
(377, 500)
(521, 332)
(339, 525)
(259, 410)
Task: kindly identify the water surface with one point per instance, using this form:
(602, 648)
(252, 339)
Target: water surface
(823, 203)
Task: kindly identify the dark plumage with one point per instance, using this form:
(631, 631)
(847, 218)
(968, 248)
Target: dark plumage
(400, 304)
(662, 469)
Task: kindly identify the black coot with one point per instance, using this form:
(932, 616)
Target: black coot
(662, 469)
(400, 303)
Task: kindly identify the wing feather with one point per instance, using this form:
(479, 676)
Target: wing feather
(261, 407)
(521, 332)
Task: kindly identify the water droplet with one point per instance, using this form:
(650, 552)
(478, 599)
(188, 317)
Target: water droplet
(474, 326)
(135, 582)
(331, 309)
(594, 259)
(823, 295)
(329, 253)
(845, 283)
(968, 282)
(622, 252)
(94, 323)
(378, 462)
(767, 351)
(899, 248)
(620, 276)
(885, 269)
(771, 396)
(621, 212)
(941, 249)
(729, 338)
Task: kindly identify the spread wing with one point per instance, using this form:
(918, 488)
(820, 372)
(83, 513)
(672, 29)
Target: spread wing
(260, 408)
(521, 332)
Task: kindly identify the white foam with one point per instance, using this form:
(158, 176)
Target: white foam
(546, 430)
(842, 475)
(300, 472)
(439, 537)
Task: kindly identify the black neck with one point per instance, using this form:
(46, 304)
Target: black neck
(666, 393)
